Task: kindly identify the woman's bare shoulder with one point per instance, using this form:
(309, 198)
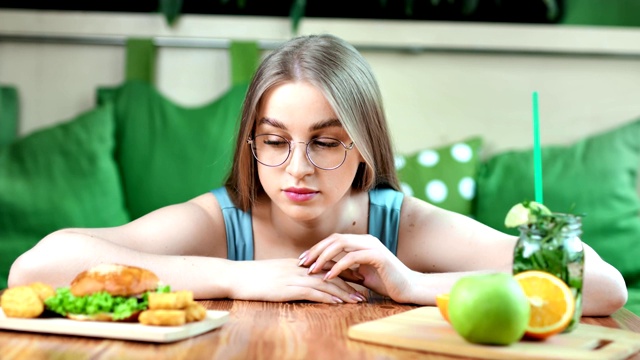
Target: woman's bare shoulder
(208, 203)
(194, 227)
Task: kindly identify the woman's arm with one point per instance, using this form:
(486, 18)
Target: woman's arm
(181, 243)
(185, 245)
(450, 242)
(436, 248)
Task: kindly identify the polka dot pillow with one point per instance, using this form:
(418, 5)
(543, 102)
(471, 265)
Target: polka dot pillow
(444, 176)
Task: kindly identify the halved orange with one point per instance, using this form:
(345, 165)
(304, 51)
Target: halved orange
(442, 301)
(552, 303)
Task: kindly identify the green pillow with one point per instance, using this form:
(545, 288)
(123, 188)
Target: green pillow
(633, 301)
(168, 153)
(444, 176)
(595, 177)
(58, 177)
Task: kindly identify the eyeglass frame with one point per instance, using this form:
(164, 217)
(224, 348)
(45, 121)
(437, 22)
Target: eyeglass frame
(251, 143)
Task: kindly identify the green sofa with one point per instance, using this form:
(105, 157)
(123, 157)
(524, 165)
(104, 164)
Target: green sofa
(138, 151)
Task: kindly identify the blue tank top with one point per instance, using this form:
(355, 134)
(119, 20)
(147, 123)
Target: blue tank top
(384, 221)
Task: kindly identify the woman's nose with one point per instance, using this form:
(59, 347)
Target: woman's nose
(299, 164)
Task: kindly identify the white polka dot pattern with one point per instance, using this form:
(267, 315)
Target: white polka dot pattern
(406, 189)
(436, 190)
(467, 188)
(428, 158)
(399, 161)
(443, 176)
(461, 152)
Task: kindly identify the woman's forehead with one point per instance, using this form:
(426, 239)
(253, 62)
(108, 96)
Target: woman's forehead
(295, 104)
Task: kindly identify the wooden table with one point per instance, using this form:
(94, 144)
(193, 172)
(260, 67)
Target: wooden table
(256, 330)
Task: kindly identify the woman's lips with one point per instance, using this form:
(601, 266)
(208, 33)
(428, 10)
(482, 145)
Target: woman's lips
(300, 195)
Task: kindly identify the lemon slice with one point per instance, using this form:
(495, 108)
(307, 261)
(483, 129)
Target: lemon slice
(524, 213)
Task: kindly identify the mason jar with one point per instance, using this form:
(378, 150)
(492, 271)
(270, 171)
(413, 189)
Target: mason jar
(553, 245)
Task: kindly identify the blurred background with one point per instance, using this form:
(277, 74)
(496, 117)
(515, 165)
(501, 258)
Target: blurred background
(109, 110)
(448, 69)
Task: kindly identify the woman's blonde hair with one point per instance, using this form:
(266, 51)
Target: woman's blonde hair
(347, 82)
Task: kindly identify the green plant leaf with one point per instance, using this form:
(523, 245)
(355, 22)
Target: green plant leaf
(171, 10)
(552, 9)
(296, 14)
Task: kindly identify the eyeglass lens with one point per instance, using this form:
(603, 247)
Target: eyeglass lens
(274, 150)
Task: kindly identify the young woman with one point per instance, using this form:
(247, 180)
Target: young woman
(312, 200)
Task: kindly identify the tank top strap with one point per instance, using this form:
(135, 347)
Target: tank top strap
(238, 226)
(384, 216)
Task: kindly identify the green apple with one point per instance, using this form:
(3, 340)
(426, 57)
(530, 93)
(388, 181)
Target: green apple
(489, 309)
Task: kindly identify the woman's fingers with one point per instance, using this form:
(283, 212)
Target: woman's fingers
(329, 248)
(343, 266)
(316, 295)
(352, 275)
(336, 287)
(308, 257)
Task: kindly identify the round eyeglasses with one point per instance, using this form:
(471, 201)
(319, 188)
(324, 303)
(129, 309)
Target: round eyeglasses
(274, 150)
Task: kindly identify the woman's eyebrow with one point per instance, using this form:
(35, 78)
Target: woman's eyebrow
(271, 122)
(322, 124)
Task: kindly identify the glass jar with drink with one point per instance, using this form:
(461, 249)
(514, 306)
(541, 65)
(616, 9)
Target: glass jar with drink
(550, 242)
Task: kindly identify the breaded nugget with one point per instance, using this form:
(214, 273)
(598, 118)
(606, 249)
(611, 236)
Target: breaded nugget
(170, 301)
(195, 312)
(163, 317)
(44, 291)
(21, 302)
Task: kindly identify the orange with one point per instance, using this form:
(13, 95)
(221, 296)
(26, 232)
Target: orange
(552, 303)
(442, 301)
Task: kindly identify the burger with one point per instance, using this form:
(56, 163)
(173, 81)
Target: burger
(107, 292)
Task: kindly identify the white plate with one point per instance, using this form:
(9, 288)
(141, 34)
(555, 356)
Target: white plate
(116, 330)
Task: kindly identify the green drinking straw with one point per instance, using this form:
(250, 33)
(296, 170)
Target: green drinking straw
(537, 157)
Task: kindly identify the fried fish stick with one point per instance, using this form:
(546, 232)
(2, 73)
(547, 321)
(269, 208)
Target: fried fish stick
(163, 317)
(170, 301)
(195, 312)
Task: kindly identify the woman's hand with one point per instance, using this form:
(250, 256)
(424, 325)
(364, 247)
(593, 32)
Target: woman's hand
(282, 280)
(363, 257)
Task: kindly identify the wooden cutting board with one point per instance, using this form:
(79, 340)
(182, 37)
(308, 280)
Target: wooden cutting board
(116, 330)
(424, 329)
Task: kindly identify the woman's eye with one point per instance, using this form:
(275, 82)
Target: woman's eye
(326, 143)
(271, 140)
(274, 142)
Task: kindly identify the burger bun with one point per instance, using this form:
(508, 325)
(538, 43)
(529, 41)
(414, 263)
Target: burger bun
(115, 279)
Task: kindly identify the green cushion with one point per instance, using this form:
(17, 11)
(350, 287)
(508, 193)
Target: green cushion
(595, 177)
(633, 301)
(9, 114)
(444, 176)
(61, 176)
(169, 153)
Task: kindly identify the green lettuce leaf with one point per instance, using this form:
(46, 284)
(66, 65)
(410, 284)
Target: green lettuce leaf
(64, 302)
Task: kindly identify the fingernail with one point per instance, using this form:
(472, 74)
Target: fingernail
(313, 266)
(355, 297)
(303, 254)
(362, 297)
(302, 261)
(326, 276)
(337, 300)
